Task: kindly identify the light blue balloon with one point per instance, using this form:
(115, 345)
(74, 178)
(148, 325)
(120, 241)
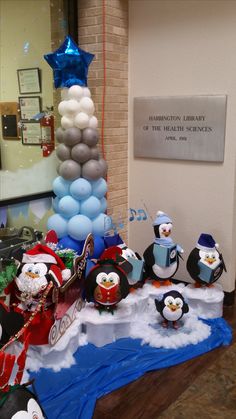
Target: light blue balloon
(55, 203)
(99, 188)
(68, 206)
(79, 227)
(59, 224)
(61, 186)
(80, 189)
(101, 224)
(90, 207)
(103, 203)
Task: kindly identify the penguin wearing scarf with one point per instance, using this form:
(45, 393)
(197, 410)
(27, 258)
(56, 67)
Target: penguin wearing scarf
(161, 258)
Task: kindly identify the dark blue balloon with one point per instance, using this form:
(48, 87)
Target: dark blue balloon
(70, 64)
(99, 246)
(68, 243)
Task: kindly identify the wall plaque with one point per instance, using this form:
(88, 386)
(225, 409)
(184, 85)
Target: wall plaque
(180, 127)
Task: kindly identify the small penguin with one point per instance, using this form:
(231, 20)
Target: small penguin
(161, 258)
(171, 307)
(107, 283)
(205, 263)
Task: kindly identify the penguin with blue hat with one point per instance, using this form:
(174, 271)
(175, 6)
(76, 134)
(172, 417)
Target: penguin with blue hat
(161, 258)
(205, 263)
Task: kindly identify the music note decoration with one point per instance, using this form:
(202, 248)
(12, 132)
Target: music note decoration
(137, 214)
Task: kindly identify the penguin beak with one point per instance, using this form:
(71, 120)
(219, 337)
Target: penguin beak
(210, 260)
(108, 284)
(32, 275)
(172, 307)
(166, 233)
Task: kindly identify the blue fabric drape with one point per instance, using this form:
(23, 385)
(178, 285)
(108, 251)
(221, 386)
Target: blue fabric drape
(72, 393)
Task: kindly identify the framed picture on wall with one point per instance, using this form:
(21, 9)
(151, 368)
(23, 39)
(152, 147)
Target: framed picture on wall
(29, 80)
(31, 133)
(30, 106)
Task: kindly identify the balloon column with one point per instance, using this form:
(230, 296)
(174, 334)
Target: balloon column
(80, 188)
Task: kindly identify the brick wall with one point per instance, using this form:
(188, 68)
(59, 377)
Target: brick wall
(90, 23)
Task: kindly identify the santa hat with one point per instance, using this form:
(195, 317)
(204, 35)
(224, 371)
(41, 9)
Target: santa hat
(161, 218)
(44, 254)
(206, 242)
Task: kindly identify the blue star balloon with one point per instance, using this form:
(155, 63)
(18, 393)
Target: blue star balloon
(70, 64)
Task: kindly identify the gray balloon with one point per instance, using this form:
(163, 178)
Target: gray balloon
(81, 153)
(63, 152)
(94, 153)
(91, 170)
(58, 168)
(90, 136)
(72, 136)
(60, 135)
(70, 170)
(104, 167)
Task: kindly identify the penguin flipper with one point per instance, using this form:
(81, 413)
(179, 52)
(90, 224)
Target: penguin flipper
(223, 262)
(158, 305)
(185, 308)
(192, 264)
(148, 255)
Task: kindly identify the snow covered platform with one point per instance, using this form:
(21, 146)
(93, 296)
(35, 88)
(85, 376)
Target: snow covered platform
(205, 302)
(61, 354)
(137, 317)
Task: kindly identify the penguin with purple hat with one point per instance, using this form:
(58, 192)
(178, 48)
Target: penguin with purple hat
(205, 263)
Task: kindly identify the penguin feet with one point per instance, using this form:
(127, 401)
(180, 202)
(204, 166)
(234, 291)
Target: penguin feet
(166, 283)
(175, 325)
(165, 324)
(156, 284)
(197, 285)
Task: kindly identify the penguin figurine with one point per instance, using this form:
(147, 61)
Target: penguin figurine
(161, 258)
(106, 283)
(171, 307)
(205, 263)
(39, 267)
(20, 403)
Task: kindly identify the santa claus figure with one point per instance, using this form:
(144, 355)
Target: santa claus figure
(40, 267)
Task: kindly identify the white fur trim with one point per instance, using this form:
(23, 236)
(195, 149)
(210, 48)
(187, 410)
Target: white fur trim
(66, 274)
(41, 257)
(205, 249)
(54, 277)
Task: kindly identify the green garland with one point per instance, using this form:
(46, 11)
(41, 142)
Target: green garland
(7, 274)
(68, 256)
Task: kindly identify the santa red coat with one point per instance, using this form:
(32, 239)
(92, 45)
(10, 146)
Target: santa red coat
(107, 296)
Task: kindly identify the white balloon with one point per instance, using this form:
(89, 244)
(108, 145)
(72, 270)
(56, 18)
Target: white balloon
(81, 120)
(72, 106)
(86, 92)
(87, 105)
(62, 107)
(75, 92)
(67, 122)
(64, 93)
(93, 122)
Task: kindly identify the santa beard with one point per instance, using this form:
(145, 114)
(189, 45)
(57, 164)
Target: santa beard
(29, 285)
